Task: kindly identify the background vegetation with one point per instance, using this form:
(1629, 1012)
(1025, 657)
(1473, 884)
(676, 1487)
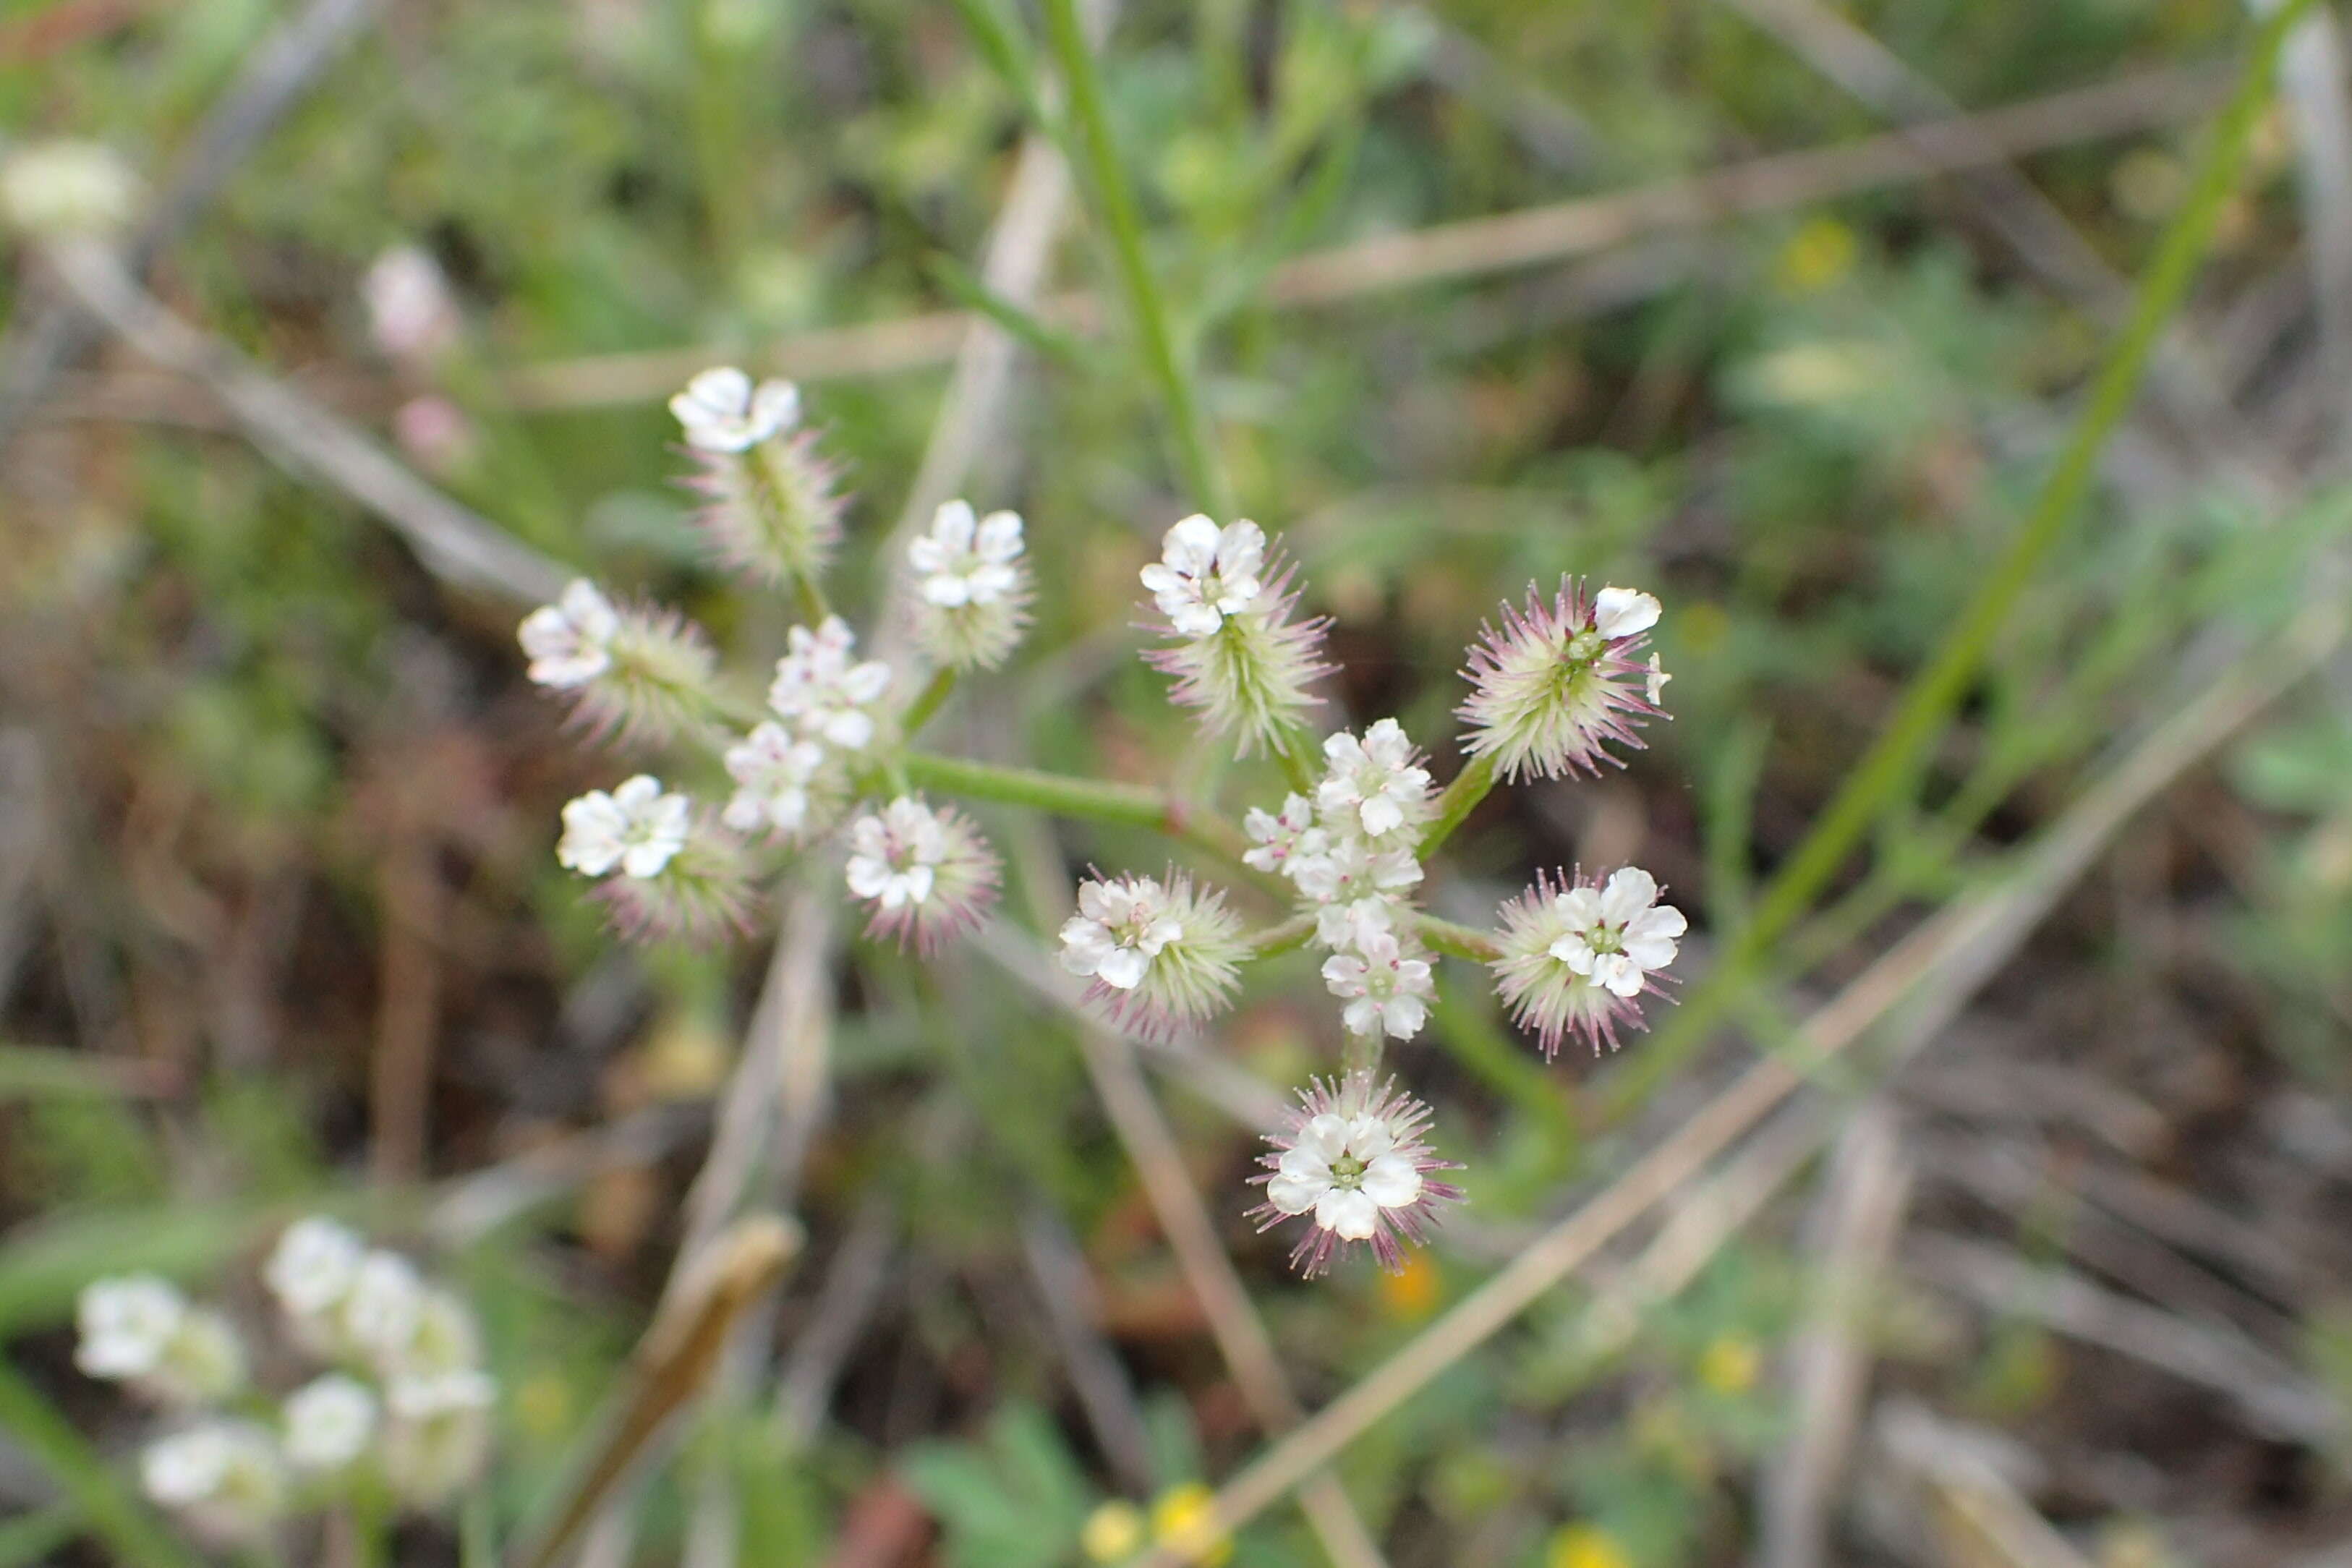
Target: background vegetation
(2046, 1263)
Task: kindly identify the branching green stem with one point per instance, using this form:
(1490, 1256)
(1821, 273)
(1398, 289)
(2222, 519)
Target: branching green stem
(1123, 224)
(1460, 798)
(926, 703)
(1288, 937)
(1460, 940)
(1928, 703)
(1132, 805)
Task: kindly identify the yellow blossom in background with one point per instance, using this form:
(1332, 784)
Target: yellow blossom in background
(1584, 1546)
(1180, 1520)
(1819, 254)
(1730, 1363)
(1113, 1533)
(1412, 1290)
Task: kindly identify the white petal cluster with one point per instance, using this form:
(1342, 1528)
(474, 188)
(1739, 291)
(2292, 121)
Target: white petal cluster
(141, 1329)
(1120, 927)
(1205, 573)
(1345, 1170)
(721, 410)
(1375, 778)
(971, 586)
(823, 691)
(894, 858)
(1617, 935)
(224, 1478)
(1620, 612)
(569, 642)
(636, 829)
(1387, 990)
(330, 1422)
(1349, 853)
(776, 778)
(1160, 955)
(966, 559)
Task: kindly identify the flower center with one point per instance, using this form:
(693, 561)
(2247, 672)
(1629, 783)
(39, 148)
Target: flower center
(1605, 939)
(1584, 646)
(1347, 1171)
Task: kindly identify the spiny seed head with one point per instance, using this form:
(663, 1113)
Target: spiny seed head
(700, 891)
(1240, 656)
(925, 873)
(1160, 955)
(971, 589)
(1577, 955)
(639, 672)
(1561, 680)
(1353, 1162)
(773, 506)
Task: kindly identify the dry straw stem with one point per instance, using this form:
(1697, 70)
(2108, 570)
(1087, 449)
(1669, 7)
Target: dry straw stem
(1475, 247)
(1931, 972)
(1983, 1517)
(671, 1365)
(454, 542)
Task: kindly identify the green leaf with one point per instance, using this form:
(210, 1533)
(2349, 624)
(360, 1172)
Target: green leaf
(112, 1512)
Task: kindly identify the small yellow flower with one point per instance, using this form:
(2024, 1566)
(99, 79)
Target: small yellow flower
(1412, 1290)
(1816, 256)
(1584, 1546)
(1730, 1363)
(1113, 1533)
(1180, 1520)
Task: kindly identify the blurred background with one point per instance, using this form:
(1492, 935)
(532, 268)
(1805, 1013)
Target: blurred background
(1785, 310)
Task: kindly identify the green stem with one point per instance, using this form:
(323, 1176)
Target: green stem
(1298, 767)
(1460, 798)
(814, 607)
(1460, 940)
(926, 703)
(1131, 805)
(1928, 703)
(1288, 937)
(1115, 199)
(112, 1512)
(1361, 1053)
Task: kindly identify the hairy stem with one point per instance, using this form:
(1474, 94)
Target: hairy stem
(1459, 940)
(1131, 805)
(926, 703)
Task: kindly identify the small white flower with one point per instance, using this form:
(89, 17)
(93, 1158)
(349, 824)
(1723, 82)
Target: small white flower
(1372, 783)
(379, 1316)
(53, 189)
(637, 828)
(1279, 838)
(1656, 682)
(1614, 936)
(128, 1325)
(411, 314)
(1205, 573)
(821, 691)
(444, 1337)
(313, 1265)
(1348, 869)
(436, 1434)
(1160, 955)
(571, 641)
(894, 858)
(224, 1478)
(721, 410)
(329, 1421)
(1620, 612)
(1385, 989)
(968, 560)
(925, 873)
(1354, 1157)
(1118, 929)
(1350, 925)
(773, 773)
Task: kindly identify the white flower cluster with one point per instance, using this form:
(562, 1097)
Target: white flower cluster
(403, 1405)
(829, 731)
(1349, 854)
